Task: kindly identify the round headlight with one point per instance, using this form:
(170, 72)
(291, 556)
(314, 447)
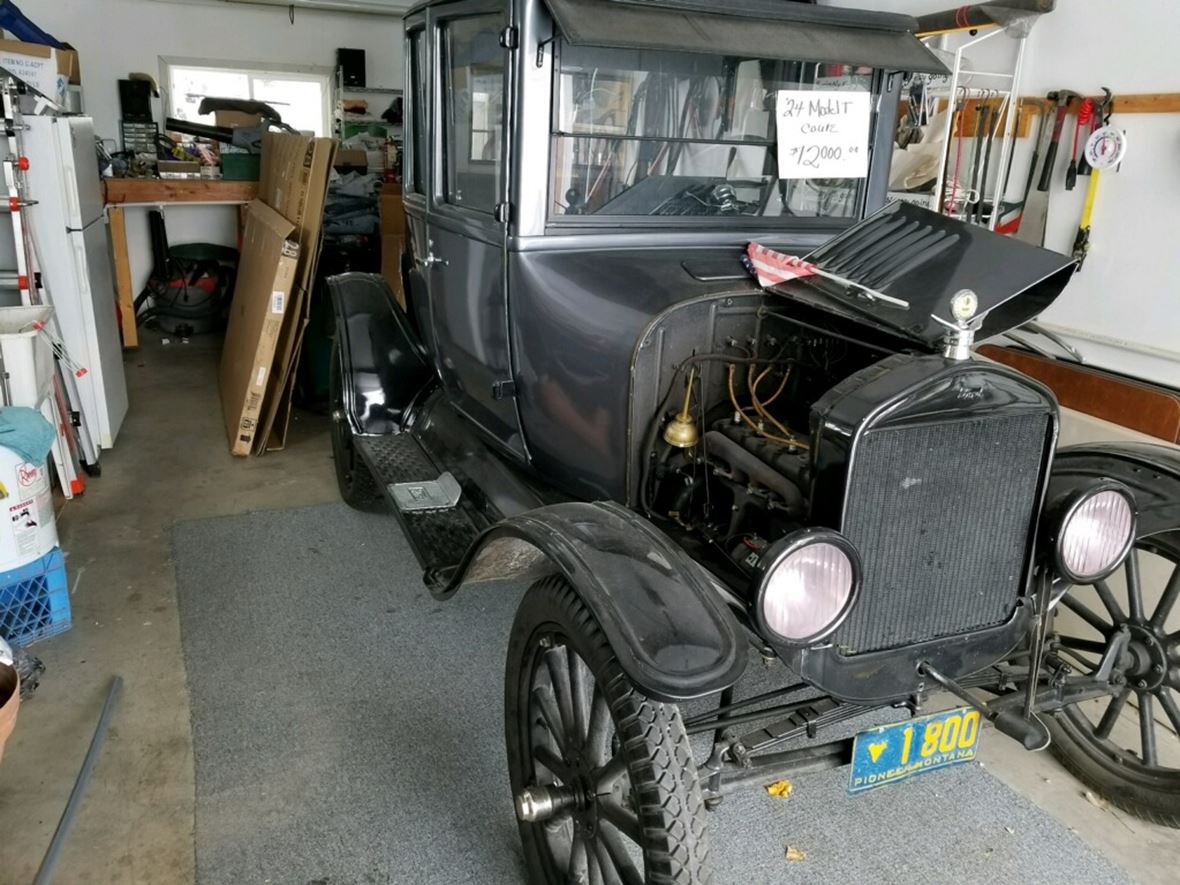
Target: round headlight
(808, 583)
(1095, 534)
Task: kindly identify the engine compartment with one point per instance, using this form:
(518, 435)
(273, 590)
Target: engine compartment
(726, 451)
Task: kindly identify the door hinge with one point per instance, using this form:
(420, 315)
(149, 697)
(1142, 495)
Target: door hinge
(503, 213)
(508, 37)
(503, 390)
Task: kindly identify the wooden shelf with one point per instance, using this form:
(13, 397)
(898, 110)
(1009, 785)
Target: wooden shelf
(366, 90)
(160, 190)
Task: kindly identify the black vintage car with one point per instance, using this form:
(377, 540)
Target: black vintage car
(589, 389)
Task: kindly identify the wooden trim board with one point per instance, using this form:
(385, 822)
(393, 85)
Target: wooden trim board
(1124, 401)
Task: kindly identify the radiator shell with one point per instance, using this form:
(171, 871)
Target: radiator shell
(935, 470)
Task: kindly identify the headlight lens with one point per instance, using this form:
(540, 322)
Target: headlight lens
(808, 586)
(1095, 535)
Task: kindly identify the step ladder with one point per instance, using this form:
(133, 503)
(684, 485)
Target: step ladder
(73, 444)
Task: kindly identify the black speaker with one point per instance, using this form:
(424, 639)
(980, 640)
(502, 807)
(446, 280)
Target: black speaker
(351, 63)
(135, 99)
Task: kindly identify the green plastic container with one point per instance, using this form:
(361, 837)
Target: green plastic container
(241, 167)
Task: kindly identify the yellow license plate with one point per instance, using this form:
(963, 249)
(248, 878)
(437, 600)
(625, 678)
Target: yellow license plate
(891, 753)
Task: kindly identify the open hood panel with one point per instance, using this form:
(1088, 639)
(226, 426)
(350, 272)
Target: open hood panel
(924, 258)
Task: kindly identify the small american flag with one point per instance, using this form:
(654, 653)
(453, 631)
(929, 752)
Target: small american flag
(772, 267)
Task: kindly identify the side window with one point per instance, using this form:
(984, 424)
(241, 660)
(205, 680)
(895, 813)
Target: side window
(473, 110)
(416, 93)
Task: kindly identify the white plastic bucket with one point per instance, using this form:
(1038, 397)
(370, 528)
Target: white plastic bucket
(28, 356)
(27, 527)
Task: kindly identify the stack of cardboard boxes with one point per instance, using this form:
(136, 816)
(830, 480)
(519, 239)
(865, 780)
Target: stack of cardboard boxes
(272, 295)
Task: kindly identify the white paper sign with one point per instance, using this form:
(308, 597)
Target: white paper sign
(823, 133)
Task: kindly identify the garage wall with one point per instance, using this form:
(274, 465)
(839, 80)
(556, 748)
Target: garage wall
(1123, 309)
(115, 37)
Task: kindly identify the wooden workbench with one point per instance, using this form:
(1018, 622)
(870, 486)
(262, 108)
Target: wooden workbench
(119, 193)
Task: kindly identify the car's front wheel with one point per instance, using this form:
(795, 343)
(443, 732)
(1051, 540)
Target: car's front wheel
(1127, 747)
(604, 779)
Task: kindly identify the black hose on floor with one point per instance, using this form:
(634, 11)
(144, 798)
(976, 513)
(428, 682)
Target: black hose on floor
(45, 871)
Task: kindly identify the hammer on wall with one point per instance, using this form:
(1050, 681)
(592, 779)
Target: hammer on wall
(1062, 97)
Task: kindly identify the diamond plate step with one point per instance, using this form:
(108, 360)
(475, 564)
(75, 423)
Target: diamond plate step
(439, 538)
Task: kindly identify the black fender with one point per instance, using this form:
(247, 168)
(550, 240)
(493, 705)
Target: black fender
(384, 368)
(661, 612)
(1150, 471)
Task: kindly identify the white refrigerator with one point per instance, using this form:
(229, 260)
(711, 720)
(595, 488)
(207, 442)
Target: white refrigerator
(69, 233)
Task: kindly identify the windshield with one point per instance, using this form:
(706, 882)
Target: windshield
(643, 133)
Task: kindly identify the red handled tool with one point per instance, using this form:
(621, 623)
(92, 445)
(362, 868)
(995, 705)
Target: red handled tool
(1085, 117)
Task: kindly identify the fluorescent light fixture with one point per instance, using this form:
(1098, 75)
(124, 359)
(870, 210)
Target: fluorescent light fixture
(369, 7)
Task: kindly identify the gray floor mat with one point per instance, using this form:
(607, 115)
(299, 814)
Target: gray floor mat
(348, 729)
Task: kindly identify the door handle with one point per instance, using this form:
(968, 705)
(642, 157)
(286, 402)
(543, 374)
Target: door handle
(430, 261)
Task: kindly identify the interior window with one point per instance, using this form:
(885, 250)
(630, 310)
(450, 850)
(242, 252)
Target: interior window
(416, 96)
(300, 97)
(646, 132)
(473, 110)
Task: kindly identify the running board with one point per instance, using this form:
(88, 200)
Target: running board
(440, 522)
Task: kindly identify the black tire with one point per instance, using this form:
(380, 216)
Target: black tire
(357, 486)
(627, 757)
(1139, 777)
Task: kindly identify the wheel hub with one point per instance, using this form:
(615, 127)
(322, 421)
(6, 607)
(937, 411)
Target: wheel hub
(1146, 658)
(539, 803)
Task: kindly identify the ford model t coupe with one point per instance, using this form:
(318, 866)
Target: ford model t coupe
(587, 387)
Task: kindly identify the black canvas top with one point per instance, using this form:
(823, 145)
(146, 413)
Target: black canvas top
(748, 29)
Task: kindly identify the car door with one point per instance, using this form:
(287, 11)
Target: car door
(463, 266)
(416, 175)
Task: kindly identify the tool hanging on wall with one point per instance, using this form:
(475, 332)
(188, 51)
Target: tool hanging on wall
(1012, 214)
(1084, 118)
(1098, 107)
(1105, 149)
(1061, 98)
(990, 135)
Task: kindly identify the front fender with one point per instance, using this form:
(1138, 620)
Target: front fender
(1151, 472)
(660, 611)
(383, 366)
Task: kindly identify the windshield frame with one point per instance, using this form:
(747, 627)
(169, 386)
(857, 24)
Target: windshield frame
(871, 193)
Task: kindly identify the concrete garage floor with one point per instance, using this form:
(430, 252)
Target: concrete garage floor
(171, 463)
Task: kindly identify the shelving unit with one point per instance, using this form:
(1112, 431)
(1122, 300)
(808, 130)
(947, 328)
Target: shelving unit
(346, 126)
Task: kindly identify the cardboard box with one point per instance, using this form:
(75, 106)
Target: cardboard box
(9, 703)
(262, 295)
(46, 69)
(351, 159)
(391, 265)
(294, 182)
(391, 210)
(237, 119)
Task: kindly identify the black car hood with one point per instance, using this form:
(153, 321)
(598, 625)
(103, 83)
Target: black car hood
(924, 258)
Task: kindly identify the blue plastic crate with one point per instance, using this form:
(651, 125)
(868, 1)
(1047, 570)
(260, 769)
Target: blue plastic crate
(35, 599)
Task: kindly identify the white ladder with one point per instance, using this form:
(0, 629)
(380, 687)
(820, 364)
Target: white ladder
(61, 406)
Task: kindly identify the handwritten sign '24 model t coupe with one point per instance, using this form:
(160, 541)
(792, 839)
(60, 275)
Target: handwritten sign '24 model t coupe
(587, 387)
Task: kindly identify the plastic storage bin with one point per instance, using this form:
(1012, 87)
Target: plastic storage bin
(28, 357)
(35, 600)
(27, 527)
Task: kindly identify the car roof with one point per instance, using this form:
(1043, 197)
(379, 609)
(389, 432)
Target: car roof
(836, 15)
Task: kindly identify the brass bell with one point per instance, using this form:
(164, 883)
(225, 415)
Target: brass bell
(681, 431)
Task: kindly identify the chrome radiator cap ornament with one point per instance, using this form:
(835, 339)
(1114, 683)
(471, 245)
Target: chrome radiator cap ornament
(961, 329)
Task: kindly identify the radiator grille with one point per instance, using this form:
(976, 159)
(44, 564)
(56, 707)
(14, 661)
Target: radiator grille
(940, 514)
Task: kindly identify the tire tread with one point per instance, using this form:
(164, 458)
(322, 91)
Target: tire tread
(671, 809)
